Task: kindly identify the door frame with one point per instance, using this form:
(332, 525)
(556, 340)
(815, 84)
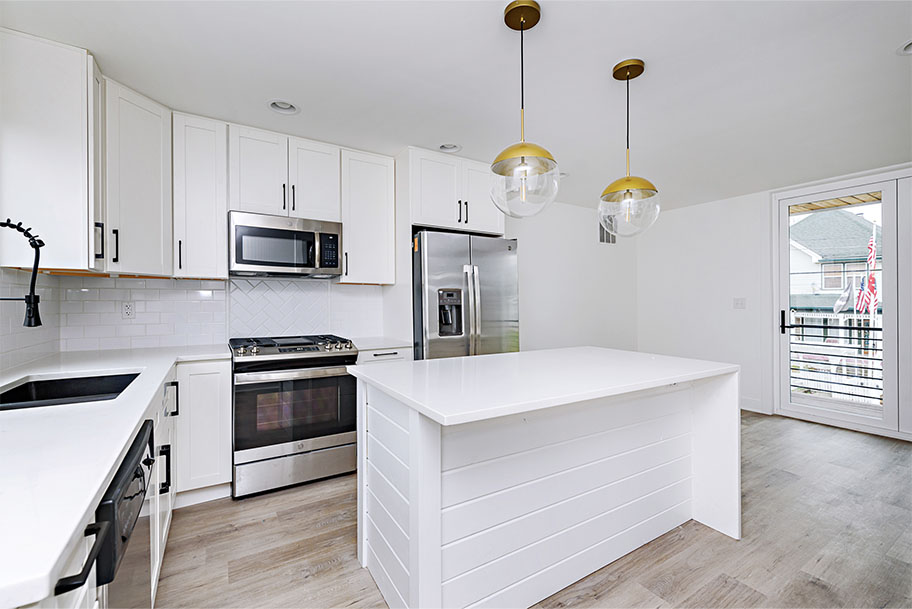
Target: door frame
(773, 390)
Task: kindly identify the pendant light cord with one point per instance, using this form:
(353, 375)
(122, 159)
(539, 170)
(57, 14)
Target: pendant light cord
(522, 83)
(628, 123)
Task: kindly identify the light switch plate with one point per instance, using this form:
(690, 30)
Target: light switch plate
(739, 303)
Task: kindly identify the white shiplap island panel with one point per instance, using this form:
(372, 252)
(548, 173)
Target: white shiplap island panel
(497, 480)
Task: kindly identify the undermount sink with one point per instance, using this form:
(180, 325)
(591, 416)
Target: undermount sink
(70, 390)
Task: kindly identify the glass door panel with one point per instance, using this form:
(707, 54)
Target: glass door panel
(838, 305)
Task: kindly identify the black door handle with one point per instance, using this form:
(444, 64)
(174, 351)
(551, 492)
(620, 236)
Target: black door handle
(292, 197)
(467, 212)
(68, 584)
(176, 411)
(283, 196)
(100, 227)
(116, 257)
(459, 206)
(782, 325)
(165, 451)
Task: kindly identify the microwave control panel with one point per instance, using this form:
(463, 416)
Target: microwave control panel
(329, 250)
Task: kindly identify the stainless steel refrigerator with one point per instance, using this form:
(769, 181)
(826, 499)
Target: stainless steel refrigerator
(466, 295)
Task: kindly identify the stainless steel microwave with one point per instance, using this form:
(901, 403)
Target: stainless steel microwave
(261, 244)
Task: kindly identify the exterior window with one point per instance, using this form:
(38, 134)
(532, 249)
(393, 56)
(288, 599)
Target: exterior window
(832, 276)
(854, 272)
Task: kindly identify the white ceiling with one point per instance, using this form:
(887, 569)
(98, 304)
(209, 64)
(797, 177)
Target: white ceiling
(737, 97)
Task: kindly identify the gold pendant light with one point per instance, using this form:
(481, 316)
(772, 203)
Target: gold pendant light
(526, 176)
(629, 205)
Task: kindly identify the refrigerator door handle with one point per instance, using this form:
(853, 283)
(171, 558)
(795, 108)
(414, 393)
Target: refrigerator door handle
(476, 290)
(469, 271)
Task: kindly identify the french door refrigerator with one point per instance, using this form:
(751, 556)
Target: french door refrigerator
(466, 295)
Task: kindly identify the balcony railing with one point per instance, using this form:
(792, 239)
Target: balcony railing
(838, 362)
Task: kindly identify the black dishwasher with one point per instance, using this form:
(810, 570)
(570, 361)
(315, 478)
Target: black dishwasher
(125, 560)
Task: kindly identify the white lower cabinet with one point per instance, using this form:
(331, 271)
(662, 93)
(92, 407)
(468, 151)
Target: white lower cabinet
(378, 356)
(85, 596)
(161, 493)
(203, 427)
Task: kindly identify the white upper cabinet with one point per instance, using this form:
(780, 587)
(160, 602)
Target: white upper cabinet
(435, 189)
(258, 171)
(480, 213)
(138, 183)
(313, 173)
(368, 218)
(450, 192)
(200, 197)
(51, 105)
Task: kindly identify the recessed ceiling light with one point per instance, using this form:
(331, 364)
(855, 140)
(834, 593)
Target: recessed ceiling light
(564, 174)
(282, 107)
(450, 147)
(905, 49)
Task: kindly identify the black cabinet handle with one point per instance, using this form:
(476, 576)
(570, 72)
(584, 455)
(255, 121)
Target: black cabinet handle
(176, 410)
(386, 354)
(116, 257)
(283, 196)
(165, 451)
(346, 264)
(292, 197)
(459, 206)
(180, 253)
(467, 212)
(100, 227)
(68, 584)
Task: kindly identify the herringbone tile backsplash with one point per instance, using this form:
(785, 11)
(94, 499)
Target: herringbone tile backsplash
(283, 307)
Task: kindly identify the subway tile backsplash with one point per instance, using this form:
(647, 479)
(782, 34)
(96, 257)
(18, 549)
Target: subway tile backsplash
(86, 313)
(167, 313)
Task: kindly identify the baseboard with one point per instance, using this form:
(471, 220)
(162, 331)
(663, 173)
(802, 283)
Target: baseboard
(868, 429)
(754, 405)
(202, 495)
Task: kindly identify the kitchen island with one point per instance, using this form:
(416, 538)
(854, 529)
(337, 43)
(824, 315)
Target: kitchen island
(497, 480)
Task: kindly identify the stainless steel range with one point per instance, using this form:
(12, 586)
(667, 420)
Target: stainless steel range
(294, 410)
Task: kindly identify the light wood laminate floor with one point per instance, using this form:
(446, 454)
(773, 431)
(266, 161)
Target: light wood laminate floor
(827, 522)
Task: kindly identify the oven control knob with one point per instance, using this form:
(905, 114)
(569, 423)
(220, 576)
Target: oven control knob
(254, 349)
(349, 345)
(241, 350)
(327, 346)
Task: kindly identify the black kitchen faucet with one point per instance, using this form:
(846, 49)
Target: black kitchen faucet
(32, 318)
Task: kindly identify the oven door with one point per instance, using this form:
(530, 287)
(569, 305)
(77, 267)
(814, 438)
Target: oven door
(292, 411)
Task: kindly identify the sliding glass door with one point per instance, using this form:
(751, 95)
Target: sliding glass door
(838, 287)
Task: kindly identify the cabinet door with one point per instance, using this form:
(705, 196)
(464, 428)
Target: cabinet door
(200, 197)
(257, 171)
(480, 213)
(95, 225)
(434, 190)
(138, 180)
(44, 167)
(203, 427)
(313, 173)
(368, 218)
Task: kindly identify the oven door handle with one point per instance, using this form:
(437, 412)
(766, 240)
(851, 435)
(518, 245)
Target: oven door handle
(248, 378)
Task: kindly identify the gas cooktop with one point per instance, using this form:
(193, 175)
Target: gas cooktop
(315, 345)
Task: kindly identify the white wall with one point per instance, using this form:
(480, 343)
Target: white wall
(18, 344)
(573, 290)
(691, 265)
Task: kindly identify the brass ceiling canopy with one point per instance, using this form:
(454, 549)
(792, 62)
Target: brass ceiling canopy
(629, 69)
(522, 14)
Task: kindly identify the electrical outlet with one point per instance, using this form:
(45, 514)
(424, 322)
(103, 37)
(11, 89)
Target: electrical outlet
(127, 310)
(739, 303)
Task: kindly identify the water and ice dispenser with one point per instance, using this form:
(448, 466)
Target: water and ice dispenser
(449, 307)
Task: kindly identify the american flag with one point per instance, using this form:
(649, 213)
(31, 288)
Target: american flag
(867, 295)
(872, 250)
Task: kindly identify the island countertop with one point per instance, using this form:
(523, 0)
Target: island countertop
(452, 391)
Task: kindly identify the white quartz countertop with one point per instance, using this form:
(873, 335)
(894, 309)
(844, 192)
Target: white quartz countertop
(459, 390)
(372, 343)
(57, 461)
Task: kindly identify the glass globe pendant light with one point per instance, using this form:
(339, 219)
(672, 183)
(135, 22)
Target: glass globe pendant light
(526, 177)
(629, 205)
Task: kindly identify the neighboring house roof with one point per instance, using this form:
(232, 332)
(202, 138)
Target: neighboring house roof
(835, 235)
(817, 302)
